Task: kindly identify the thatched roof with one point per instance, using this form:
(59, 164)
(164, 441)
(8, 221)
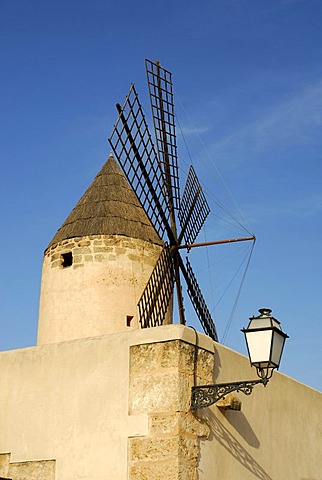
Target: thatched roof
(108, 207)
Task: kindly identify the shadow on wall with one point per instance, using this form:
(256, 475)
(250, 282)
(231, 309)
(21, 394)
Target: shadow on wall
(233, 446)
(241, 424)
(217, 366)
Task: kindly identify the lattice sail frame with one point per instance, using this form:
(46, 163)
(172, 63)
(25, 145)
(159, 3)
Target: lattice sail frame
(194, 208)
(155, 180)
(162, 106)
(133, 147)
(199, 304)
(154, 302)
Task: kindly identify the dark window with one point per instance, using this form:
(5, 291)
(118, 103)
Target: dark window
(129, 318)
(66, 259)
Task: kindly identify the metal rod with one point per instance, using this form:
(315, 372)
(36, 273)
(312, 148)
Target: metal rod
(176, 261)
(217, 242)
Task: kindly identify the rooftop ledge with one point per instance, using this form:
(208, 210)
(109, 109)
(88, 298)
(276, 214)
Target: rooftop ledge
(166, 333)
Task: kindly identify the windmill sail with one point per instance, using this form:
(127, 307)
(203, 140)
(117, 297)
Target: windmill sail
(154, 302)
(194, 208)
(162, 106)
(153, 175)
(199, 304)
(133, 147)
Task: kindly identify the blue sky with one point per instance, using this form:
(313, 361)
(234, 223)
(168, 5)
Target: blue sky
(248, 83)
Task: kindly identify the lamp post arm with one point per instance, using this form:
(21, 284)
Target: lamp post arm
(206, 395)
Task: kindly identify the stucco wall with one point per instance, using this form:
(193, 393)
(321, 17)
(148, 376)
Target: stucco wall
(102, 408)
(68, 402)
(277, 434)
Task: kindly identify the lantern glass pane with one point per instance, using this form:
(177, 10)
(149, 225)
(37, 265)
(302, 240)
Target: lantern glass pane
(259, 346)
(277, 348)
(259, 323)
(276, 323)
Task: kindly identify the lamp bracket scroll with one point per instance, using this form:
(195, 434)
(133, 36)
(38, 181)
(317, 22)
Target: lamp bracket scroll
(205, 395)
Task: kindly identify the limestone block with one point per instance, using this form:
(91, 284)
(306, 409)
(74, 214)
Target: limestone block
(191, 425)
(205, 366)
(154, 393)
(81, 251)
(179, 423)
(161, 377)
(160, 392)
(187, 472)
(177, 354)
(155, 471)
(102, 249)
(144, 358)
(100, 258)
(166, 424)
(84, 243)
(120, 250)
(38, 470)
(163, 471)
(230, 402)
(147, 449)
(188, 448)
(4, 464)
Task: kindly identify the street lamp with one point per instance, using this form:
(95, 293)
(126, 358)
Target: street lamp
(265, 342)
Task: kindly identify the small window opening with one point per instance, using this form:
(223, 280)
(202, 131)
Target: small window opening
(66, 259)
(129, 318)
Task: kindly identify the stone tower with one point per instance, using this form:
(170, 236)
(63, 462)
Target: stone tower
(98, 263)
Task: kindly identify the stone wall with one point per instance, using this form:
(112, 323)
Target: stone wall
(161, 377)
(275, 436)
(34, 470)
(101, 248)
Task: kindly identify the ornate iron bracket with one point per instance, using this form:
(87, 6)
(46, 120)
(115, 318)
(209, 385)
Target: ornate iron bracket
(206, 395)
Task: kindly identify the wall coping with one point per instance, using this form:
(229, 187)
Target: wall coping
(164, 333)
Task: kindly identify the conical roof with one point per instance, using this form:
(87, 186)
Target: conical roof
(108, 207)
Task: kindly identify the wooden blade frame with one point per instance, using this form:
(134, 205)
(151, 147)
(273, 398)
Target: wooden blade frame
(154, 302)
(198, 301)
(194, 209)
(162, 106)
(161, 97)
(133, 147)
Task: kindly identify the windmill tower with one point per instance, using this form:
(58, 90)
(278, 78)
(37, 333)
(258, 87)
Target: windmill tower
(98, 263)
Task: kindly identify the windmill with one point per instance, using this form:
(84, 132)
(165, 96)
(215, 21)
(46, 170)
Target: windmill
(152, 172)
